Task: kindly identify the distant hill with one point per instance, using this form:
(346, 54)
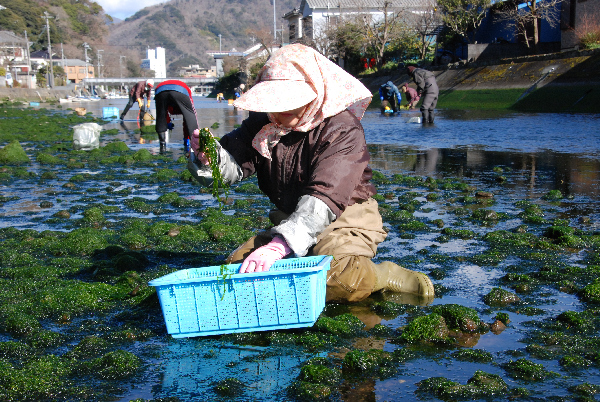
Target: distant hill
(187, 29)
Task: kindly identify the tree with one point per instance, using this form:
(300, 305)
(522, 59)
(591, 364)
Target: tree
(263, 36)
(526, 20)
(462, 16)
(425, 22)
(379, 30)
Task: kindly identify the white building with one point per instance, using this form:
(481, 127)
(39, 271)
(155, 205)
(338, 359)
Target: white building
(156, 61)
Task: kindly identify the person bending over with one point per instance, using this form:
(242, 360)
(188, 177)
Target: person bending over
(174, 97)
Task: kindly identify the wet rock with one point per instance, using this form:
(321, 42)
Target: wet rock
(481, 385)
(485, 215)
(499, 297)
(584, 219)
(342, 325)
(131, 261)
(46, 204)
(229, 387)
(48, 176)
(174, 232)
(484, 194)
(460, 317)
(575, 362)
(585, 389)
(319, 374)
(523, 369)
(553, 195)
(13, 154)
(47, 159)
(428, 328)
(116, 146)
(497, 327)
(473, 355)
(114, 365)
(369, 362)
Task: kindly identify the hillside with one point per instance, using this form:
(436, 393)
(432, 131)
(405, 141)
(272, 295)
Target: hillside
(72, 24)
(187, 29)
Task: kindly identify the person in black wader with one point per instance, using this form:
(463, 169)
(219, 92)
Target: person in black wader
(389, 92)
(137, 93)
(427, 89)
(174, 97)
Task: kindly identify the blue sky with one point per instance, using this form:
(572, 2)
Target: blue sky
(123, 9)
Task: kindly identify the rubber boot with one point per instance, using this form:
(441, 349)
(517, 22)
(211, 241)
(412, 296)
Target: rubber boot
(431, 116)
(394, 278)
(163, 144)
(186, 146)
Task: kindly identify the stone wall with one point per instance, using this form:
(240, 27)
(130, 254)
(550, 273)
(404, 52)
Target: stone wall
(35, 95)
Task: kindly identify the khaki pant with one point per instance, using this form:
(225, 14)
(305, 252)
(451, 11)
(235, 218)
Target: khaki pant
(351, 239)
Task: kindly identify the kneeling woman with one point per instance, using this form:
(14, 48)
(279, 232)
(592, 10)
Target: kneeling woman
(304, 141)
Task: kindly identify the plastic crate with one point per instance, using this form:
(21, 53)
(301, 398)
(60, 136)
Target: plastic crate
(110, 112)
(200, 302)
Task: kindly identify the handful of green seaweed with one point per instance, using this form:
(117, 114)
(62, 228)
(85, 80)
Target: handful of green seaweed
(208, 145)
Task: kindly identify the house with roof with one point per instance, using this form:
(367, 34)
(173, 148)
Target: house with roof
(314, 16)
(13, 51)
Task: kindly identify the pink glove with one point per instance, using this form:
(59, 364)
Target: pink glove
(261, 259)
(195, 144)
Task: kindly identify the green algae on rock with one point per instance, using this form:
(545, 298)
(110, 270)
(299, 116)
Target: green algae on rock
(527, 370)
(460, 317)
(498, 297)
(428, 328)
(481, 385)
(13, 154)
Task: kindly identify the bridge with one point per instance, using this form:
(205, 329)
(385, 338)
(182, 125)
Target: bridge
(203, 85)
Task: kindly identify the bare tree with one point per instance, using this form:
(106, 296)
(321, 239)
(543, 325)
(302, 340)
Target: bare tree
(380, 29)
(527, 19)
(462, 16)
(587, 29)
(263, 36)
(425, 22)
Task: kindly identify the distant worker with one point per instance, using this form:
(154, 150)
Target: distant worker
(412, 97)
(174, 97)
(427, 89)
(137, 93)
(389, 93)
(239, 91)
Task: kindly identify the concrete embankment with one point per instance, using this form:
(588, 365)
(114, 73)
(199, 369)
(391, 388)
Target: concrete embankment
(35, 95)
(543, 83)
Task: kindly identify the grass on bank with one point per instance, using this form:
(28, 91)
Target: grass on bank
(548, 99)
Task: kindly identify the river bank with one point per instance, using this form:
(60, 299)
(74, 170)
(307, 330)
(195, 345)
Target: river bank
(563, 82)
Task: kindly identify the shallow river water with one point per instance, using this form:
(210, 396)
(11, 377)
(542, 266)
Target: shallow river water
(514, 156)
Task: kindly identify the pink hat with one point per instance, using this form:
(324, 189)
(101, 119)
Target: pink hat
(280, 87)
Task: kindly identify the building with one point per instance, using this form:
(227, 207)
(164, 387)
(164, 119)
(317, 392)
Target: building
(156, 61)
(313, 17)
(578, 17)
(14, 55)
(75, 69)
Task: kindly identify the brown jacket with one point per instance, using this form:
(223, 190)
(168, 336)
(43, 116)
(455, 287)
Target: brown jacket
(330, 162)
(139, 90)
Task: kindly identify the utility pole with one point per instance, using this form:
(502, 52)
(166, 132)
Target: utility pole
(85, 49)
(219, 42)
(274, 23)
(47, 17)
(99, 59)
(28, 56)
(120, 65)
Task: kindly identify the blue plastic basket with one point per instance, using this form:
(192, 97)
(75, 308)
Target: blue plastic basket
(203, 301)
(110, 112)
